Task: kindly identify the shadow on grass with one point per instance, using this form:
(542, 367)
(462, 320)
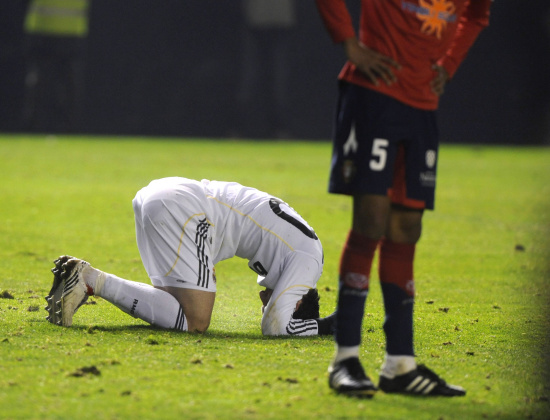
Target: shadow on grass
(215, 334)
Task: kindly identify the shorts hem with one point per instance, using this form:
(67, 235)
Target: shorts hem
(181, 284)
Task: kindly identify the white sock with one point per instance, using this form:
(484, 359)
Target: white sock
(397, 365)
(90, 276)
(343, 352)
(140, 300)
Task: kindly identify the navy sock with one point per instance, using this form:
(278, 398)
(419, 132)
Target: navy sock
(349, 316)
(398, 325)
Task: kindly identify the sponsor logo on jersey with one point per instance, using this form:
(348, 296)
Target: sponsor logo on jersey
(434, 15)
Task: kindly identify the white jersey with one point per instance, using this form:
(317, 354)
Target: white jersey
(184, 227)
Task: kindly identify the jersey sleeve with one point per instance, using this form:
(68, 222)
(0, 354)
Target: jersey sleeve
(337, 19)
(302, 327)
(300, 274)
(472, 22)
(277, 318)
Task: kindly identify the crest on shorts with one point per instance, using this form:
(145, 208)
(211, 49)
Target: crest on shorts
(348, 170)
(430, 158)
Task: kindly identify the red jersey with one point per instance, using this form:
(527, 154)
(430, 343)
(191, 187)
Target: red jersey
(415, 33)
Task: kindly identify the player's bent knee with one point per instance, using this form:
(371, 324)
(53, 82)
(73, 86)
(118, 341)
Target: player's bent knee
(197, 306)
(198, 325)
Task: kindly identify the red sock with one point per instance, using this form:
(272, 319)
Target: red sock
(355, 266)
(396, 265)
(356, 260)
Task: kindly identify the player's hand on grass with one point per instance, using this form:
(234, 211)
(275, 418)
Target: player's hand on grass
(371, 63)
(440, 80)
(265, 295)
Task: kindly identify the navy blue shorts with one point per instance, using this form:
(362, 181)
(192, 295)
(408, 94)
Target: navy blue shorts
(384, 147)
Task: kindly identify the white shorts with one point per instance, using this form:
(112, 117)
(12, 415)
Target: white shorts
(172, 238)
(184, 227)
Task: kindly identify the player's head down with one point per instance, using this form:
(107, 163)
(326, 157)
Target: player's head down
(308, 307)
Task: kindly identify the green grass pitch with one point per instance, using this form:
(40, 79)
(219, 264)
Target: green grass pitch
(482, 276)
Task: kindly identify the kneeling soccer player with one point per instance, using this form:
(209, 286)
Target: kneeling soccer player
(183, 228)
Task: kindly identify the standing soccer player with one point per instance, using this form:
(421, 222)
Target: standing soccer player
(385, 157)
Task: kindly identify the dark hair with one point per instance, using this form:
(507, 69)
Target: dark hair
(309, 309)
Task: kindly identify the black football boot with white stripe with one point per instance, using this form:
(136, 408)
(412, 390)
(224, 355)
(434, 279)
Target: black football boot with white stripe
(421, 381)
(348, 377)
(54, 297)
(68, 291)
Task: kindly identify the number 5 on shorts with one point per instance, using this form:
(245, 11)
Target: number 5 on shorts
(379, 153)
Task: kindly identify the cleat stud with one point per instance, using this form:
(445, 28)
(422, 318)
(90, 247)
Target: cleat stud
(47, 308)
(58, 303)
(58, 313)
(49, 318)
